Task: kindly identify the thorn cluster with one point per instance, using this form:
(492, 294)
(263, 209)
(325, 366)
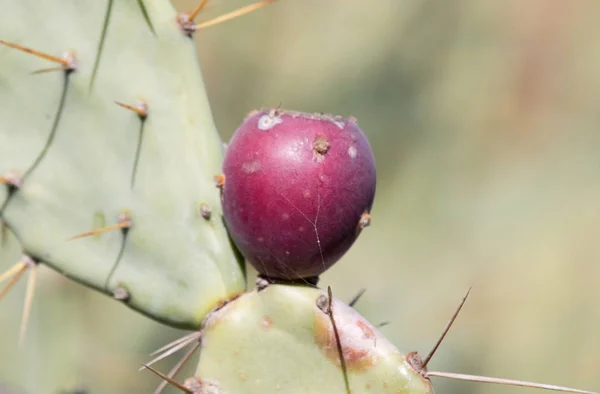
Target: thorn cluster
(186, 19)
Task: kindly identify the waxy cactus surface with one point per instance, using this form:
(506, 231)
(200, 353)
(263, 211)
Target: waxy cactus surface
(80, 162)
(281, 340)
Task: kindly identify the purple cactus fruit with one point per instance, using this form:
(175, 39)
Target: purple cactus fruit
(298, 189)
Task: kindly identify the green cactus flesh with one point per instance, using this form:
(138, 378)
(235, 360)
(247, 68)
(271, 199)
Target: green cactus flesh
(83, 160)
(279, 340)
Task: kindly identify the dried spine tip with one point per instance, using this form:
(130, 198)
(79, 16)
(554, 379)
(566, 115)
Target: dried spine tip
(365, 221)
(169, 380)
(444, 332)
(140, 108)
(68, 62)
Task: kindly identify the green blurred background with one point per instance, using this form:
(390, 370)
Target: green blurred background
(484, 119)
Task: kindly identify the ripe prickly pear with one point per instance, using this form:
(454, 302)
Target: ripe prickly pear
(298, 190)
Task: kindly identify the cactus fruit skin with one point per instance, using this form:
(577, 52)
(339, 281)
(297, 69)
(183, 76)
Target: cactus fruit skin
(298, 188)
(278, 340)
(85, 160)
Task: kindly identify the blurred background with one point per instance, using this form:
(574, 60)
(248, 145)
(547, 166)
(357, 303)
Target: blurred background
(484, 119)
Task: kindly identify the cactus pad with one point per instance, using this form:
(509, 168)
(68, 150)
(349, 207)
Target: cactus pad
(73, 161)
(281, 340)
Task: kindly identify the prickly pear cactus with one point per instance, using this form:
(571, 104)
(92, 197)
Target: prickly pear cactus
(72, 160)
(108, 163)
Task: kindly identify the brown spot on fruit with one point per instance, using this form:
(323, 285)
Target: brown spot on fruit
(321, 145)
